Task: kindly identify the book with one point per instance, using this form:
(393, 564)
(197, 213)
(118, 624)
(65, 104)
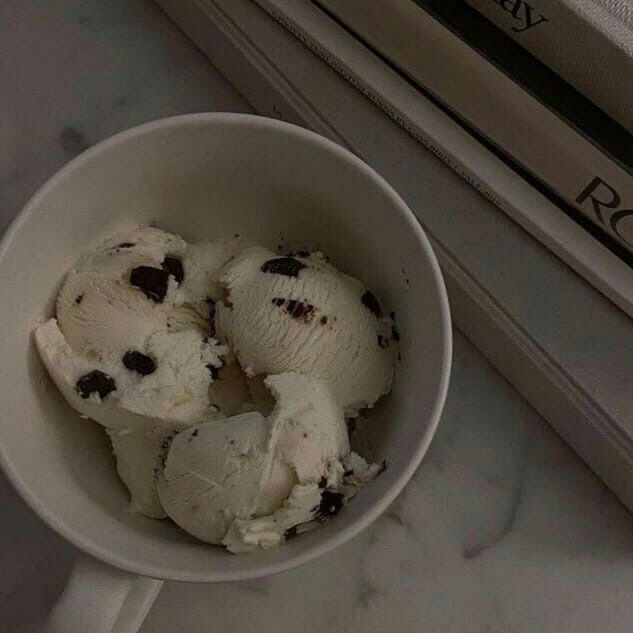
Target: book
(454, 73)
(536, 78)
(588, 43)
(517, 124)
(538, 322)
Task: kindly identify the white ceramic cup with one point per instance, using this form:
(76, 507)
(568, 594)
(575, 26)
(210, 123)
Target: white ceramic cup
(203, 175)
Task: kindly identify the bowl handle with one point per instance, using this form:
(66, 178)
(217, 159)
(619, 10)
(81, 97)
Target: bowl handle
(102, 599)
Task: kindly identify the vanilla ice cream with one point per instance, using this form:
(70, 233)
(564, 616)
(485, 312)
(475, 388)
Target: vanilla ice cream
(298, 313)
(131, 349)
(248, 481)
(203, 263)
(309, 428)
(240, 440)
(217, 471)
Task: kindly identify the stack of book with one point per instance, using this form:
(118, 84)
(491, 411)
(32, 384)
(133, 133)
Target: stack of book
(491, 110)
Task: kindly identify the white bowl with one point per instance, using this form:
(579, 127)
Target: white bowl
(207, 175)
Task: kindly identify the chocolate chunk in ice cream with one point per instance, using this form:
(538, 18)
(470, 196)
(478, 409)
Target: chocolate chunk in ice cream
(296, 309)
(287, 266)
(371, 303)
(95, 382)
(151, 281)
(331, 504)
(140, 363)
(174, 267)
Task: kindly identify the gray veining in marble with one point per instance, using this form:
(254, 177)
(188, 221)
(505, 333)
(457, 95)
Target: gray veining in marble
(501, 530)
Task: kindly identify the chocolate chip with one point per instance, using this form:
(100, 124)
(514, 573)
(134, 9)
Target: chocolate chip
(323, 320)
(126, 245)
(79, 299)
(381, 341)
(140, 363)
(371, 303)
(195, 433)
(394, 333)
(287, 266)
(174, 267)
(322, 482)
(95, 382)
(290, 532)
(296, 309)
(152, 281)
(331, 504)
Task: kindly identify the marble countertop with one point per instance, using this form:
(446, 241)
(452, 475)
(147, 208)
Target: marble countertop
(502, 530)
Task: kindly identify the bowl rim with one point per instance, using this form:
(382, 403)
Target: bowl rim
(84, 542)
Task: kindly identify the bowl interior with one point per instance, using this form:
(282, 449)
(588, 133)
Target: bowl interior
(205, 176)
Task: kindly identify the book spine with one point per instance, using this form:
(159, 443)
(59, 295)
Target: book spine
(594, 61)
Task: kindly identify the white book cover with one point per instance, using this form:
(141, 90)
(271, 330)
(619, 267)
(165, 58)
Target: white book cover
(458, 72)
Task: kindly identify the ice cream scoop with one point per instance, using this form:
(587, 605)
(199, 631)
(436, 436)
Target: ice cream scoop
(248, 481)
(130, 349)
(219, 471)
(298, 313)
